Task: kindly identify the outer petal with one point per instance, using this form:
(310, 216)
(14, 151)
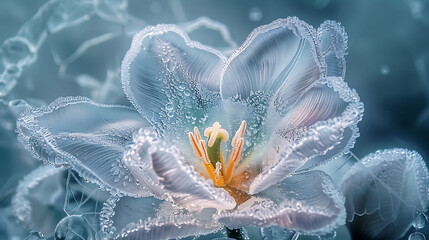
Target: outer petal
(33, 205)
(184, 186)
(87, 136)
(389, 187)
(308, 203)
(164, 168)
(171, 80)
(138, 159)
(283, 55)
(290, 90)
(320, 141)
(334, 46)
(150, 218)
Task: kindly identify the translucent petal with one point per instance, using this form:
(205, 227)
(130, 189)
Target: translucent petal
(282, 95)
(138, 159)
(171, 80)
(183, 184)
(334, 45)
(281, 55)
(87, 136)
(308, 203)
(151, 218)
(389, 187)
(317, 140)
(37, 202)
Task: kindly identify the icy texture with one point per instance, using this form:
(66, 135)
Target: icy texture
(319, 139)
(85, 200)
(227, 45)
(287, 82)
(184, 185)
(35, 236)
(87, 136)
(21, 51)
(73, 227)
(171, 80)
(388, 188)
(150, 218)
(334, 47)
(138, 159)
(161, 169)
(30, 203)
(308, 203)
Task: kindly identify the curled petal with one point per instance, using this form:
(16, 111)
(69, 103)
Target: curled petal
(86, 136)
(317, 140)
(284, 54)
(387, 188)
(307, 203)
(172, 81)
(151, 218)
(31, 202)
(184, 186)
(334, 46)
(138, 159)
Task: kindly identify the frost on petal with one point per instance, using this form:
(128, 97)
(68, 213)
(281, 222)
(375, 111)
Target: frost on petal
(334, 45)
(171, 80)
(316, 141)
(387, 188)
(151, 218)
(283, 55)
(307, 203)
(86, 136)
(138, 159)
(280, 60)
(185, 186)
(37, 194)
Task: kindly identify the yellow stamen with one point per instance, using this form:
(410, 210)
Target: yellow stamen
(201, 152)
(212, 133)
(211, 154)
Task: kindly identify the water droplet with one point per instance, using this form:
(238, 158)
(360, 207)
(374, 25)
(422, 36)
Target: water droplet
(328, 236)
(384, 70)
(416, 236)
(420, 221)
(169, 106)
(73, 227)
(17, 51)
(35, 236)
(170, 114)
(255, 14)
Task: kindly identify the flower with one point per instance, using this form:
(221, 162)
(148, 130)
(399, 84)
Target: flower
(283, 95)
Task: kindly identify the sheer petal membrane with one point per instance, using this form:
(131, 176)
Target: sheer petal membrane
(308, 203)
(180, 182)
(299, 114)
(88, 137)
(172, 81)
(151, 218)
(388, 189)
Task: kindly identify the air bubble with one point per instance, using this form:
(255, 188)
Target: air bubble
(73, 227)
(17, 51)
(420, 221)
(416, 236)
(169, 106)
(35, 236)
(384, 70)
(328, 236)
(255, 14)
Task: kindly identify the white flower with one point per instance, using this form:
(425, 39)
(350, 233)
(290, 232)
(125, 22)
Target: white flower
(269, 113)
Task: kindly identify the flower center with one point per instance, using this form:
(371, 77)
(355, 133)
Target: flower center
(211, 154)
